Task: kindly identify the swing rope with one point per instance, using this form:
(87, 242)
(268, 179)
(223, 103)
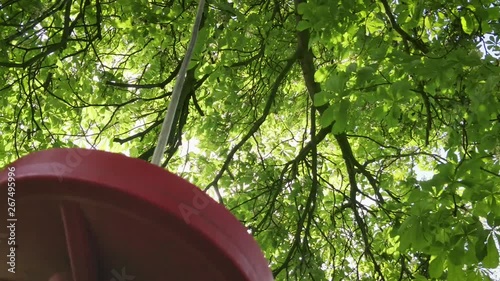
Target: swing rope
(166, 127)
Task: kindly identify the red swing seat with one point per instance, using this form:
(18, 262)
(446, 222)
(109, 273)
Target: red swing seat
(103, 216)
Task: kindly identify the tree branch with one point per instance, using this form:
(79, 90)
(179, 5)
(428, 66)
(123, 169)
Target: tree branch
(308, 70)
(270, 100)
(418, 43)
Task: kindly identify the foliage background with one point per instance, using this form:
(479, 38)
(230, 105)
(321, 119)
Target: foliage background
(313, 122)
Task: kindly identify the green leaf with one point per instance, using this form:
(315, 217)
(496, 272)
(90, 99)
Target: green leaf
(419, 277)
(467, 24)
(303, 25)
(302, 8)
(374, 24)
(352, 67)
(420, 241)
(400, 88)
(436, 267)
(491, 259)
(341, 117)
(456, 255)
(407, 232)
(336, 82)
(474, 276)
(327, 117)
(481, 249)
(192, 64)
(490, 218)
(456, 273)
(364, 74)
(323, 98)
(126, 24)
(320, 75)
(482, 208)
(201, 42)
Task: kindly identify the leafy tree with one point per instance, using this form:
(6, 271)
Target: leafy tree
(314, 121)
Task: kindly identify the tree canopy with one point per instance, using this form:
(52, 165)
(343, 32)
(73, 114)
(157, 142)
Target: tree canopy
(356, 139)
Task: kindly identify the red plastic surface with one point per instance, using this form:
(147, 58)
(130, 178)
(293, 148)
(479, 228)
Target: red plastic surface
(103, 216)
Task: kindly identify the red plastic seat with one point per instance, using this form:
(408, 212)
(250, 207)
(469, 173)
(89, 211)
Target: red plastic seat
(107, 217)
